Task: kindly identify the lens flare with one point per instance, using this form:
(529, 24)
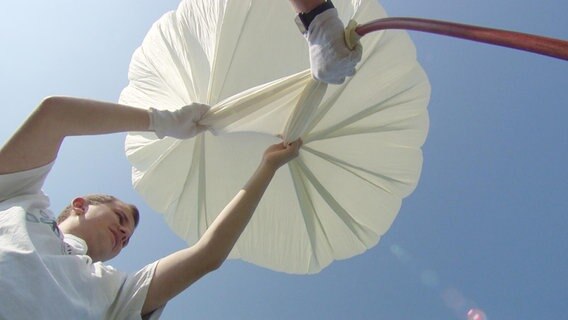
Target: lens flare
(476, 314)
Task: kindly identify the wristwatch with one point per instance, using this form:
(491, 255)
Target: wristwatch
(304, 19)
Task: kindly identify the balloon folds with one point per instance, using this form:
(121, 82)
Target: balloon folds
(362, 143)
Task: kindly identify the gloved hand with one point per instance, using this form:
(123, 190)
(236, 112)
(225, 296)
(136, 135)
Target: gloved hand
(330, 58)
(180, 124)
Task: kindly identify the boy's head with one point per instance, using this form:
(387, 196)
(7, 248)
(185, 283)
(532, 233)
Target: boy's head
(104, 222)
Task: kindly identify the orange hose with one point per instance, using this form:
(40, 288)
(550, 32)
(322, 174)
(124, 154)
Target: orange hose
(527, 42)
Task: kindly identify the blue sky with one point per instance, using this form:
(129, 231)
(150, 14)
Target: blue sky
(486, 227)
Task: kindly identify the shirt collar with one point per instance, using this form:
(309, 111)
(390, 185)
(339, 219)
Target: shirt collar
(74, 245)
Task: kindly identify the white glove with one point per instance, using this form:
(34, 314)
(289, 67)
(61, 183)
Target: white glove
(180, 124)
(330, 58)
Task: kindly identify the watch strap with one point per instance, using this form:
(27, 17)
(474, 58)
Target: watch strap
(307, 17)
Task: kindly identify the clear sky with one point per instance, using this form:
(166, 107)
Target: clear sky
(486, 227)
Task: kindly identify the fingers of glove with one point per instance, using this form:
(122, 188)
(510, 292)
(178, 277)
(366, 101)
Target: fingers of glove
(187, 121)
(193, 112)
(330, 59)
(334, 70)
(200, 128)
(181, 123)
(357, 53)
(328, 78)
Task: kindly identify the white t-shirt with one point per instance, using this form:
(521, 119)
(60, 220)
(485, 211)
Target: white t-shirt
(45, 275)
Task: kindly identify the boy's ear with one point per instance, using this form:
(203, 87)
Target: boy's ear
(80, 205)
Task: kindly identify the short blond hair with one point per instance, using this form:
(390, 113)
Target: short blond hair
(99, 199)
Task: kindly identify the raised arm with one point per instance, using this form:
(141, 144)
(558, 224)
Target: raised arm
(38, 140)
(305, 5)
(179, 270)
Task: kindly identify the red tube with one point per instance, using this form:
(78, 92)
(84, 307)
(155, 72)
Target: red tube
(537, 44)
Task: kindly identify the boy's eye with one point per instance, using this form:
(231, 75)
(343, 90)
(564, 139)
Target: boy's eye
(120, 217)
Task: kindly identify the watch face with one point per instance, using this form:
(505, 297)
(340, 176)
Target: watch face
(300, 24)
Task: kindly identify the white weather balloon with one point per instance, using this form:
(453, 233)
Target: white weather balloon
(362, 143)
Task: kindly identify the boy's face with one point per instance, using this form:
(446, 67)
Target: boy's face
(106, 228)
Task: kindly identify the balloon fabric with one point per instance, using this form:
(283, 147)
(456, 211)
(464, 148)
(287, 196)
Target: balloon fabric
(362, 139)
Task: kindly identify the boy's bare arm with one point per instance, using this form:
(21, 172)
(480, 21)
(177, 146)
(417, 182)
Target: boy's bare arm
(38, 140)
(178, 271)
